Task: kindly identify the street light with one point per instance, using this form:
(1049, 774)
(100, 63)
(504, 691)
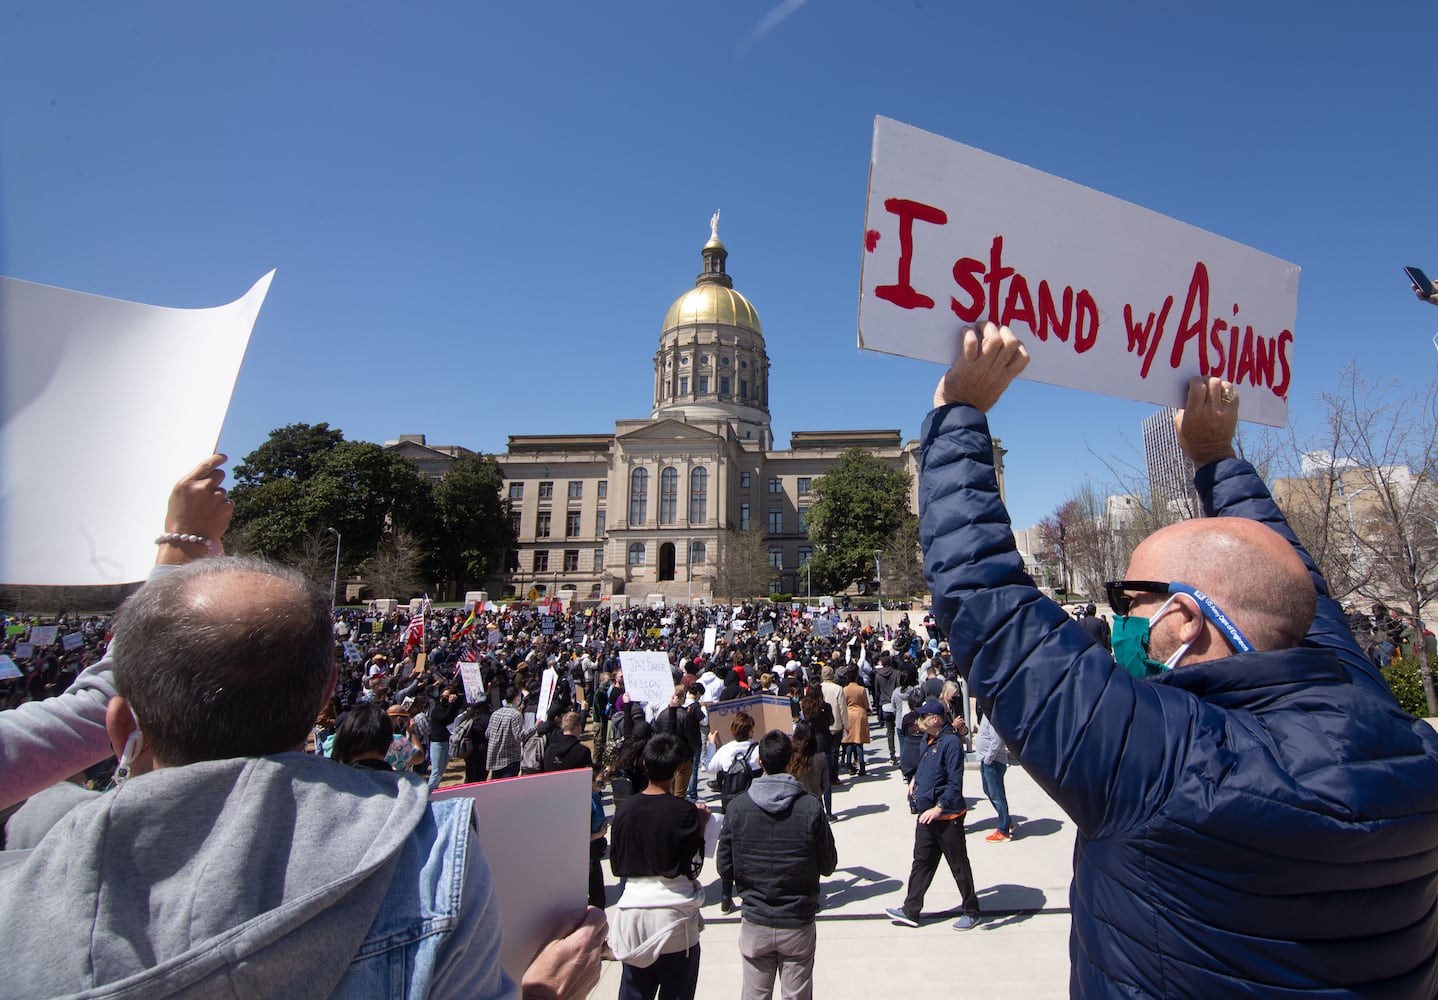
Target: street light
(335, 579)
(879, 571)
(808, 583)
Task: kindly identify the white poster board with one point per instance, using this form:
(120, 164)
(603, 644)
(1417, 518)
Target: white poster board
(1107, 296)
(8, 670)
(711, 637)
(44, 635)
(352, 653)
(72, 641)
(647, 676)
(160, 376)
(548, 681)
(24, 650)
(473, 685)
(534, 832)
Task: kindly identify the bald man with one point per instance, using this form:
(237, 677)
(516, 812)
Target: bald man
(1255, 814)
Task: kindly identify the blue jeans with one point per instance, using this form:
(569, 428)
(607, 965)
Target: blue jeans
(438, 761)
(993, 778)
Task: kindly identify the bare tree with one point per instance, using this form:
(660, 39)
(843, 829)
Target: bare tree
(903, 560)
(742, 570)
(314, 557)
(394, 570)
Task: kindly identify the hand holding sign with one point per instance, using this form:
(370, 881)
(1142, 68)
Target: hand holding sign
(1206, 424)
(986, 364)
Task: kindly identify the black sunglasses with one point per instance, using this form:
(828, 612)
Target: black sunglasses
(1118, 598)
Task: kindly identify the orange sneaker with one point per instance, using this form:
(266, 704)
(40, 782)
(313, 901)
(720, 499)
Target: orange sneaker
(998, 837)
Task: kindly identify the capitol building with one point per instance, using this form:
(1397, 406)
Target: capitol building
(650, 508)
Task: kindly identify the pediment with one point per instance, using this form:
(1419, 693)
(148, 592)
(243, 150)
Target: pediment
(667, 431)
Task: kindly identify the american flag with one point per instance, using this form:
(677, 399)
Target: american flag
(414, 633)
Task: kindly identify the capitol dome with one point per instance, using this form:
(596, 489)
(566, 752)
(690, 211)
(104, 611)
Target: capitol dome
(711, 303)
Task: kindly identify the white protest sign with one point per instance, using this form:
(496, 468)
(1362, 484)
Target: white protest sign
(547, 683)
(166, 376)
(8, 670)
(72, 640)
(24, 650)
(711, 636)
(647, 677)
(823, 628)
(535, 835)
(473, 685)
(1107, 296)
(44, 635)
(352, 653)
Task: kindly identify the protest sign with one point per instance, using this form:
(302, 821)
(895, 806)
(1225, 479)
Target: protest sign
(8, 670)
(352, 653)
(44, 635)
(14, 630)
(769, 712)
(71, 641)
(473, 685)
(548, 681)
(1106, 296)
(647, 676)
(766, 628)
(823, 628)
(711, 636)
(535, 834)
(24, 650)
(546, 624)
(177, 368)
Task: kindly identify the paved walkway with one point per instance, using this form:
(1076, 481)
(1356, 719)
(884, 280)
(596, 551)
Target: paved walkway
(1020, 949)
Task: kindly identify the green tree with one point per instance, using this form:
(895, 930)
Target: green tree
(473, 525)
(290, 452)
(856, 509)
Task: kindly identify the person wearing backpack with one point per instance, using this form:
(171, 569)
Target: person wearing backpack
(467, 741)
(504, 733)
(735, 763)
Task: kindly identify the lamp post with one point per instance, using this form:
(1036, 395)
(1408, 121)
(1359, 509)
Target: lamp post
(335, 579)
(879, 571)
(808, 583)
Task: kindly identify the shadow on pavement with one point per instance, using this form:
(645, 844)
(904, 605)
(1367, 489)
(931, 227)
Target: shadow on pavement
(1024, 828)
(838, 892)
(856, 811)
(1010, 904)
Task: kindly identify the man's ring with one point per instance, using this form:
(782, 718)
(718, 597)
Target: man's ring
(1228, 395)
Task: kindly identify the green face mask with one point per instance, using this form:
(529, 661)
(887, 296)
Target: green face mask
(1130, 644)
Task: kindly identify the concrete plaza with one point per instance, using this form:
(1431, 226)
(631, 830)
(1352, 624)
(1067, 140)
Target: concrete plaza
(1020, 948)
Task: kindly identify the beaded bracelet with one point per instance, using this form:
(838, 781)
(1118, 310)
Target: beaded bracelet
(172, 536)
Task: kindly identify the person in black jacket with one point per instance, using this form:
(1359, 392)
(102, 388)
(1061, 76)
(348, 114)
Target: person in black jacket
(564, 752)
(774, 846)
(682, 722)
(442, 712)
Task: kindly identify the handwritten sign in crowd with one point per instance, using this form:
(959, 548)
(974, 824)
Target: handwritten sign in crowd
(1107, 296)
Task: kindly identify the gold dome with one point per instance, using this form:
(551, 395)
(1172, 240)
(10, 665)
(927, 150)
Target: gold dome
(713, 303)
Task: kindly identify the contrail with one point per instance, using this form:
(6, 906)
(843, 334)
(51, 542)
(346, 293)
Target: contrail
(770, 21)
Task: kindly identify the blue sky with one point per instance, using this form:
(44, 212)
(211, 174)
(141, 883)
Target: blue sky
(480, 212)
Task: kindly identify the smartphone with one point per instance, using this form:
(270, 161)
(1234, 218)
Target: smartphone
(1420, 281)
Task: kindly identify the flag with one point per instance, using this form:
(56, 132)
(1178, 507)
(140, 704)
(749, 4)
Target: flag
(466, 628)
(414, 632)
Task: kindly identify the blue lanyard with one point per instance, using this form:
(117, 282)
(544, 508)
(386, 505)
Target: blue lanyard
(1215, 614)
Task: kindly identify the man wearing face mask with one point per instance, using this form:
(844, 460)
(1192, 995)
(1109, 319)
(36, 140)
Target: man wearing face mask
(1255, 814)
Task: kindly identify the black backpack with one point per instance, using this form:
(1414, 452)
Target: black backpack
(737, 777)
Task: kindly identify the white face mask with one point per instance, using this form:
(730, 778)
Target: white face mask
(1172, 661)
(133, 745)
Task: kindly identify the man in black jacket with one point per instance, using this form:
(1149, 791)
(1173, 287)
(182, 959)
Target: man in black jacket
(774, 845)
(564, 752)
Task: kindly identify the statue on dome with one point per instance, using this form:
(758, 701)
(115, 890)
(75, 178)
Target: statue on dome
(714, 225)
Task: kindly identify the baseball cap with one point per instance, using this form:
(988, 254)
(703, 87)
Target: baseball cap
(933, 706)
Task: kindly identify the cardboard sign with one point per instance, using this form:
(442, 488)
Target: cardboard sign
(44, 635)
(8, 670)
(71, 641)
(24, 650)
(1107, 296)
(711, 637)
(769, 712)
(647, 676)
(534, 832)
(473, 685)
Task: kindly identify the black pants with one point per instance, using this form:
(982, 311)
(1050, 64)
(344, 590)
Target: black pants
(596, 872)
(941, 838)
(672, 977)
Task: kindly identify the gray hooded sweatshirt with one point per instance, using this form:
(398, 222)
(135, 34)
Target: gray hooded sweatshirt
(252, 877)
(775, 844)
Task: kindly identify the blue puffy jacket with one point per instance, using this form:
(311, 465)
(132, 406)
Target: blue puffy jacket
(1260, 825)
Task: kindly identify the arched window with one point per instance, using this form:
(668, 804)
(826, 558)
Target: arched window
(668, 494)
(636, 554)
(698, 494)
(697, 552)
(638, 495)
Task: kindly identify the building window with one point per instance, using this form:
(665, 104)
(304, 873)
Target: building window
(776, 485)
(801, 528)
(598, 560)
(743, 480)
(776, 520)
(668, 495)
(723, 385)
(636, 554)
(743, 517)
(514, 523)
(541, 560)
(698, 494)
(516, 491)
(804, 483)
(571, 524)
(571, 560)
(684, 385)
(599, 518)
(638, 495)
(511, 561)
(806, 553)
(697, 552)
(546, 491)
(603, 488)
(776, 557)
(704, 360)
(743, 388)
(541, 524)
(703, 385)
(576, 489)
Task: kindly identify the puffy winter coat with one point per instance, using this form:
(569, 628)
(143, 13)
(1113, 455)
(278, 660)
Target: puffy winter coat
(1260, 825)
